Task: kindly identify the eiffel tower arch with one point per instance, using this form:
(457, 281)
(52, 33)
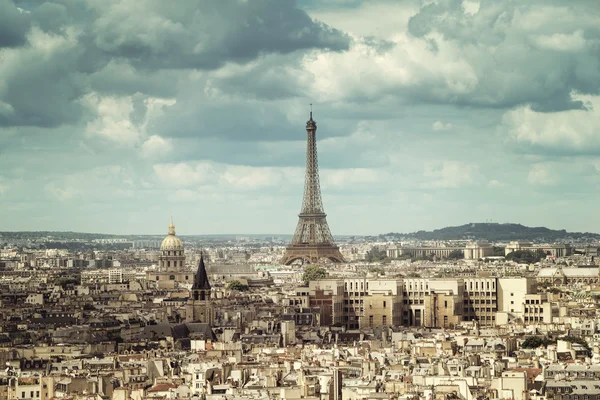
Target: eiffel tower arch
(312, 239)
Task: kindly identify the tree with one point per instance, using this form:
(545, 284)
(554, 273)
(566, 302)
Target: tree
(526, 256)
(313, 273)
(498, 251)
(237, 285)
(376, 254)
(533, 342)
(377, 270)
(578, 340)
(456, 255)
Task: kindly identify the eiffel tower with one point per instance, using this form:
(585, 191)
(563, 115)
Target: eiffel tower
(312, 240)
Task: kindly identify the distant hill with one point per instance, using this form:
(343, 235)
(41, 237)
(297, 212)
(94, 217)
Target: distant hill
(496, 232)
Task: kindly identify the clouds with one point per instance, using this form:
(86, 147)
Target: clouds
(71, 48)
(135, 109)
(156, 147)
(451, 175)
(441, 126)
(39, 86)
(206, 34)
(510, 47)
(14, 24)
(569, 42)
(570, 131)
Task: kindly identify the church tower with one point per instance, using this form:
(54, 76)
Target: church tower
(199, 307)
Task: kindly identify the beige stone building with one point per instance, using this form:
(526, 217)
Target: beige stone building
(368, 303)
(477, 250)
(555, 250)
(171, 263)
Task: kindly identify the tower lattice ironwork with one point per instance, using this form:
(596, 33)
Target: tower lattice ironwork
(312, 240)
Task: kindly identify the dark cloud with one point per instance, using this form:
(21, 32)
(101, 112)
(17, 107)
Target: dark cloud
(41, 88)
(534, 53)
(206, 34)
(14, 25)
(121, 47)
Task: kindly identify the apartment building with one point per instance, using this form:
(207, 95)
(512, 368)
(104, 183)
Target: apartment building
(366, 303)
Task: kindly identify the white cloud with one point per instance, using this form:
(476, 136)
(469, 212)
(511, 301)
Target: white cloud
(226, 177)
(451, 175)
(353, 178)
(61, 193)
(539, 174)
(471, 7)
(100, 184)
(113, 120)
(495, 184)
(562, 41)
(156, 147)
(184, 174)
(441, 126)
(573, 130)
(123, 120)
(409, 63)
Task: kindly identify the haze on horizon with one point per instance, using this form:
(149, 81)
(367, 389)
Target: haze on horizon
(116, 114)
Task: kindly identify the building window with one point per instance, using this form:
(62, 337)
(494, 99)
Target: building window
(370, 321)
(157, 278)
(172, 277)
(384, 320)
(445, 304)
(384, 304)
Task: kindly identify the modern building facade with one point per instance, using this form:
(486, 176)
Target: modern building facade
(367, 303)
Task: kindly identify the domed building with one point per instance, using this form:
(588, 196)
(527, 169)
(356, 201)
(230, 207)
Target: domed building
(171, 263)
(171, 256)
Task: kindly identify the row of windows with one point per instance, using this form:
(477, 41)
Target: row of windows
(536, 301)
(467, 301)
(533, 319)
(172, 277)
(534, 309)
(481, 309)
(354, 285)
(174, 263)
(417, 287)
(174, 253)
(469, 285)
(383, 320)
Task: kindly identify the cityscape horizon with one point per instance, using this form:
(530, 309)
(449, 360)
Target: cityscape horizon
(366, 132)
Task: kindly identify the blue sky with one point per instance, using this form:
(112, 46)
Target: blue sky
(115, 115)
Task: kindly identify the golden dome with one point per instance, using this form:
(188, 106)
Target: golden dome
(171, 242)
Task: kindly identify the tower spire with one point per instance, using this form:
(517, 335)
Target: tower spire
(311, 111)
(201, 279)
(171, 227)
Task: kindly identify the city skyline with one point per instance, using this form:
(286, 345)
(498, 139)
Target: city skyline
(429, 115)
